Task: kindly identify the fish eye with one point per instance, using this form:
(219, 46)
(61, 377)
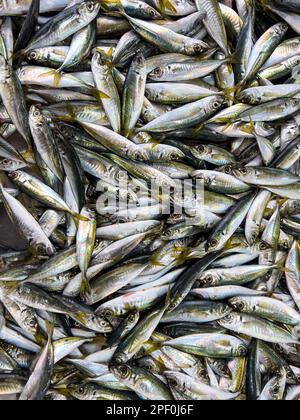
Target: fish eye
(228, 170)
(240, 306)
(90, 7)
(137, 156)
(37, 113)
(157, 71)
(243, 171)
(108, 313)
(172, 306)
(228, 318)
(33, 55)
(173, 383)
(81, 390)
(13, 175)
(209, 279)
(123, 370)
(242, 351)
(213, 243)
(285, 244)
(200, 148)
(216, 105)
(278, 348)
(152, 12)
(197, 48)
(263, 246)
(139, 59)
(131, 318)
(32, 323)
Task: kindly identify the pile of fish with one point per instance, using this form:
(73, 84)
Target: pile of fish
(110, 99)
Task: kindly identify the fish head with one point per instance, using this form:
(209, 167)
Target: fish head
(277, 384)
(261, 246)
(138, 154)
(242, 172)
(133, 318)
(88, 10)
(214, 103)
(138, 64)
(159, 72)
(249, 97)
(280, 29)
(16, 176)
(203, 176)
(30, 322)
(99, 62)
(293, 62)
(151, 13)
(213, 243)
(230, 319)
(193, 47)
(176, 381)
(102, 324)
(292, 103)
(208, 279)
(36, 116)
(34, 56)
(202, 150)
(122, 372)
(81, 391)
(238, 304)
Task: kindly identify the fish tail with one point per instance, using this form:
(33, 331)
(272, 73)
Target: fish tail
(153, 347)
(40, 338)
(98, 94)
(85, 288)
(19, 54)
(80, 217)
(50, 330)
(166, 5)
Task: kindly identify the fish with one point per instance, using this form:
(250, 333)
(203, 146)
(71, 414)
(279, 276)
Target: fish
(149, 200)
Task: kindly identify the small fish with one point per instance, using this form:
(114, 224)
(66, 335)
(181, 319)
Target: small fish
(150, 199)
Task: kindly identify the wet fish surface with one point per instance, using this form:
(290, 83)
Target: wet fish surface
(150, 200)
